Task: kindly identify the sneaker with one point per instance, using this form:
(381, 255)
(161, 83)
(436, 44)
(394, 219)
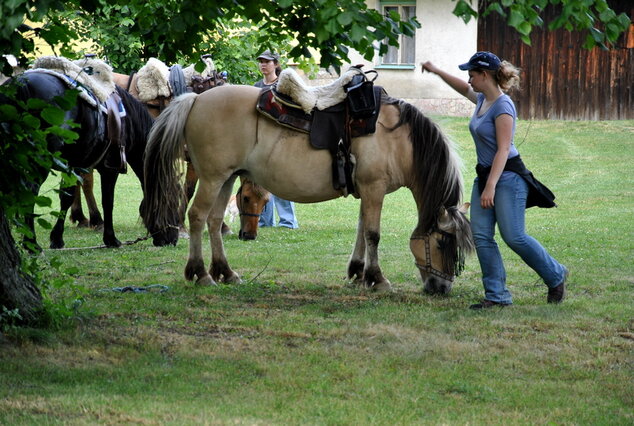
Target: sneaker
(486, 304)
(557, 294)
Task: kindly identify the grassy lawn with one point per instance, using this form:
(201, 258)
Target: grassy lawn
(295, 344)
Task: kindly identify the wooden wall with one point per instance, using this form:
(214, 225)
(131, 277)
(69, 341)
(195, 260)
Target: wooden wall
(561, 79)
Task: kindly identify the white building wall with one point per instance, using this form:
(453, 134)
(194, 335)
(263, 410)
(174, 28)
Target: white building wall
(443, 39)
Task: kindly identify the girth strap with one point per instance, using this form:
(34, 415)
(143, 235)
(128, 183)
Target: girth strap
(116, 157)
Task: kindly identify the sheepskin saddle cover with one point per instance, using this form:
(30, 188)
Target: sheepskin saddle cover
(320, 97)
(153, 78)
(100, 82)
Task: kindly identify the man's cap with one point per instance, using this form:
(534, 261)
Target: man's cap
(483, 61)
(268, 55)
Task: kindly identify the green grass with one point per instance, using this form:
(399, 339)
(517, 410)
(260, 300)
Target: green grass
(295, 344)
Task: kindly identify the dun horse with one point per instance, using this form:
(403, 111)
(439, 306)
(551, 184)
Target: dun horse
(407, 150)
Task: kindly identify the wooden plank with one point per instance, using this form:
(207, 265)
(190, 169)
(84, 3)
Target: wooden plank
(561, 80)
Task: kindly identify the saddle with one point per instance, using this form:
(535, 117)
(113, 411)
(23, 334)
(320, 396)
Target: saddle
(156, 81)
(332, 115)
(95, 81)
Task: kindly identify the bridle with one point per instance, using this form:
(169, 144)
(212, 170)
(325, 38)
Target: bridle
(428, 266)
(239, 205)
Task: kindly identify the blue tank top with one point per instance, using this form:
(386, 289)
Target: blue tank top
(482, 128)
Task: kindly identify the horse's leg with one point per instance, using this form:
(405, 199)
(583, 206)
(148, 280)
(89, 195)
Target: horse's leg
(220, 268)
(66, 196)
(76, 211)
(190, 188)
(29, 242)
(96, 221)
(371, 219)
(198, 212)
(357, 258)
(108, 182)
(191, 178)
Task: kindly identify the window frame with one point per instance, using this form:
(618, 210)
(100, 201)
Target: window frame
(398, 65)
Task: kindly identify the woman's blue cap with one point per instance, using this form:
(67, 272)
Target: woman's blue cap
(483, 61)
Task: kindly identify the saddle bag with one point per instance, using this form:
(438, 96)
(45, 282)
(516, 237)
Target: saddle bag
(361, 97)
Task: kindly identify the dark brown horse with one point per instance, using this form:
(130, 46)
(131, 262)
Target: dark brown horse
(197, 83)
(93, 148)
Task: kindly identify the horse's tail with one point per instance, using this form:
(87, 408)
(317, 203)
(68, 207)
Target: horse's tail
(162, 167)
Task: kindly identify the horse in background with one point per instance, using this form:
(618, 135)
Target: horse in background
(155, 85)
(250, 201)
(107, 142)
(406, 150)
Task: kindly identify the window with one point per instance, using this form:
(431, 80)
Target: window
(405, 53)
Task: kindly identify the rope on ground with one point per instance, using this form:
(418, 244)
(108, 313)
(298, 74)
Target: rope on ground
(260, 273)
(125, 243)
(130, 289)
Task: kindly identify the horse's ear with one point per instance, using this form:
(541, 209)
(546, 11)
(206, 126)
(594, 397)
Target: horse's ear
(464, 208)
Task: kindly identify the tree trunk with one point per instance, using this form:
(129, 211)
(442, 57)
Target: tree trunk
(17, 290)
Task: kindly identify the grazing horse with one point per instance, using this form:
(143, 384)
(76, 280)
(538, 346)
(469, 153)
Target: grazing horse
(407, 150)
(250, 201)
(93, 148)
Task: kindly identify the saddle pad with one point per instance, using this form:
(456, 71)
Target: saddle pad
(285, 115)
(84, 92)
(101, 84)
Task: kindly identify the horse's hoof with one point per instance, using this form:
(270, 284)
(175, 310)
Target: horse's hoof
(205, 281)
(225, 230)
(113, 243)
(183, 234)
(356, 283)
(382, 287)
(235, 279)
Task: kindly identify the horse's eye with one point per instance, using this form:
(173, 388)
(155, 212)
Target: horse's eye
(246, 199)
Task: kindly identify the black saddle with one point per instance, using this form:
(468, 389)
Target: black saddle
(333, 127)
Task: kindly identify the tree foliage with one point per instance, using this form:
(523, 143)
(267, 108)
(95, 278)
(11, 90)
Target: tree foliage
(593, 17)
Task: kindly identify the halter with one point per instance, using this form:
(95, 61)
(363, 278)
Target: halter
(239, 205)
(428, 266)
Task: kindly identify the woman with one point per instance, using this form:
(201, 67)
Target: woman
(504, 188)
(269, 66)
(268, 63)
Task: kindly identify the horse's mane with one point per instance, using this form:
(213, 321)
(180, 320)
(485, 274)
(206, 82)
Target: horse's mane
(138, 115)
(259, 190)
(437, 179)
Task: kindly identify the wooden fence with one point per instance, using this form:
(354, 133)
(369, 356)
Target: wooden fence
(561, 79)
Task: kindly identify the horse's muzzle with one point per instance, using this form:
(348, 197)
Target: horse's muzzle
(247, 236)
(436, 285)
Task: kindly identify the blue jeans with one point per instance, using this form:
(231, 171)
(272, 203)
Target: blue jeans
(509, 213)
(285, 211)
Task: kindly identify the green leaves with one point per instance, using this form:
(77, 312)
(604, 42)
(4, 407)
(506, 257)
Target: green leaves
(577, 15)
(345, 18)
(53, 116)
(464, 11)
(24, 131)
